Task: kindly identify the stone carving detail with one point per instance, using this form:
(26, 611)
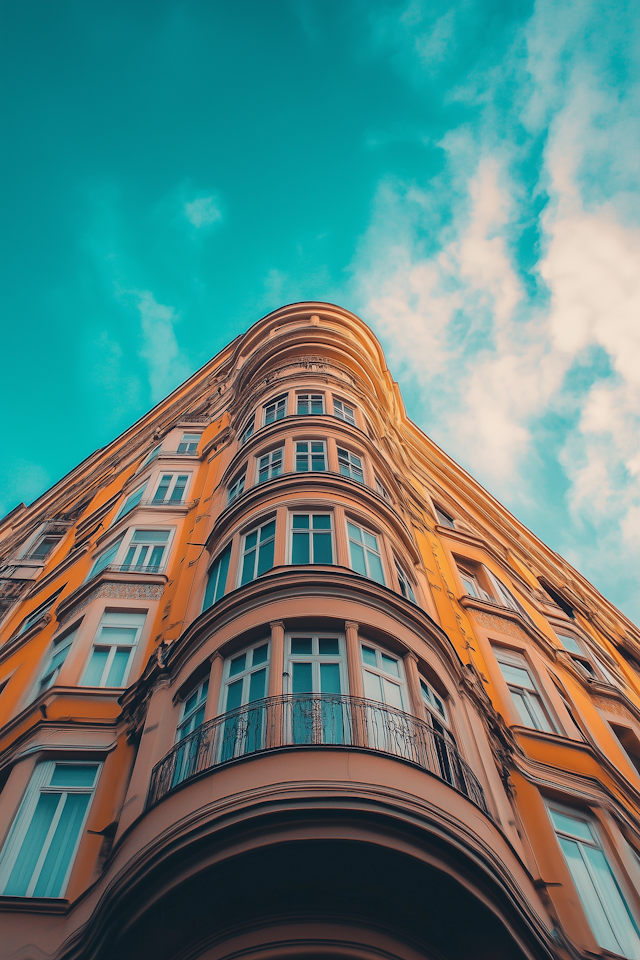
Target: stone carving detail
(614, 706)
(501, 740)
(120, 591)
(499, 623)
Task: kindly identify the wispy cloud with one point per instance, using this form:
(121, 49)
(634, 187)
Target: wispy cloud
(203, 211)
(167, 366)
(495, 348)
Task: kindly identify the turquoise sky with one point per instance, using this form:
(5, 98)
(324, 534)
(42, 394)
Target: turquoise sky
(462, 175)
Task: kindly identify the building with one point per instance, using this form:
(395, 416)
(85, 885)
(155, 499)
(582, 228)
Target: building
(279, 679)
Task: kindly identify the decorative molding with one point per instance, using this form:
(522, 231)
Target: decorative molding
(119, 591)
(501, 624)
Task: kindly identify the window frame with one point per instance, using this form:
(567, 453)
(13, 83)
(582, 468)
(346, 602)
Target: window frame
(398, 680)
(517, 660)
(401, 576)
(443, 518)
(310, 531)
(38, 613)
(128, 543)
(249, 430)
(245, 675)
(193, 440)
(39, 784)
(62, 643)
(201, 690)
(310, 402)
(269, 455)
(316, 659)
(281, 398)
(217, 560)
(366, 531)
(350, 419)
(309, 454)
(114, 646)
(601, 896)
(173, 482)
(128, 506)
(41, 538)
(351, 467)
(237, 485)
(256, 527)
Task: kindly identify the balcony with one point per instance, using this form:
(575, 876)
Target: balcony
(133, 568)
(308, 721)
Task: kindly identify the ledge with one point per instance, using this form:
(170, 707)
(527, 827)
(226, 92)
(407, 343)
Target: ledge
(33, 905)
(105, 576)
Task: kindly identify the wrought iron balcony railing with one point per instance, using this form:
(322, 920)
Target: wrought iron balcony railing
(309, 720)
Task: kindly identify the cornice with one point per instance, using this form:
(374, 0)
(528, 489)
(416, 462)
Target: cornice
(68, 605)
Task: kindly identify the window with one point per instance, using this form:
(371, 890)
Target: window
(38, 614)
(381, 490)
(405, 584)
(270, 465)
(446, 748)
(192, 711)
(189, 443)
(311, 455)
(383, 677)
(56, 657)
(316, 670)
(43, 547)
(248, 430)
(131, 502)
(171, 488)
(523, 690)
(113, 649)
(245, 681)
(506, 598)
(310, 403)
(154, 453)
(602, 899)
(350, 465)
(105, 559)
(311, 540)
(276, 409)
(364, 553)
(585, 660)
(443, 518)
(257, 551)
(471, 585)
(344, 412)
(217, 578)
(629, 743)
(431, 699)
(146, 551)
(39, 852)
(237, 486)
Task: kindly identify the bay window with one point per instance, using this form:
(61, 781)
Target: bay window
(38, 855)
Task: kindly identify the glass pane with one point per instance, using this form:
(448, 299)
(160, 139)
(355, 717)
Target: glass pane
(569, 644)
(237, 665)
(390, 665)
(95, 669)
(150, 536)
(260, 654)
(222, 576)
(321, 521)
(613, 902)
(234, 695)
(354, 532)
(372, 686)
(300, 548)
(375, 567)
(161, 492)
(369, 656)
(248, 567)
(357, 558)
(328, 646)
(301, 521)
(572, 825)
(118, 668)
(119, 635)
(265, 558)
(392, 694)
(257, 685)
(540, 720)
(302, 678)
(521, 707)
(267, 531)
(329, 677)
(588, 895)
(58, 858)
(250, 540)
(322, 552)
(32, 845)
(131, 552)
(155, 560)
(517, 675)
(370, 540)
(73, 775)
(301, 645)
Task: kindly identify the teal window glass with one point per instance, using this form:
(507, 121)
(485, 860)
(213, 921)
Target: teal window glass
(189, 443)
(270, 465)
(311, 538)
(364, 553)
(276, 409)
(350, 465)
(311, 455)
(310, 403)
(217, 578)
(105, 559)
(131, 502)
(258, 551)
(236, 487)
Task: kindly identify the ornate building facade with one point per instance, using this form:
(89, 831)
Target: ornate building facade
(279, 679)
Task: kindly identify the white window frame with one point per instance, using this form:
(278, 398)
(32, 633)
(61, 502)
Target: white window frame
(281, 402)
(534, 700)
(471, 585)
(310, 531)
(344, 411)
(59, 645)
(236, 487)
(248, 431)
(386, 675)
(257, 529)
(311, 401)
(173, 480)
(39, 784)
(309, 454)
(136, 621)
(366, 549)
(189, 440)
(129, 542)
(188, 714)
(443, 518)
(316, 659)
(406, 587)
(345, 458)
(433, 701)
(382, 490)
(268, 461)
(606, 908)
(41, 538)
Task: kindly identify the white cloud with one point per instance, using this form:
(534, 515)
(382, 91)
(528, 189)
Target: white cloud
(167, 366)
(202, 212)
